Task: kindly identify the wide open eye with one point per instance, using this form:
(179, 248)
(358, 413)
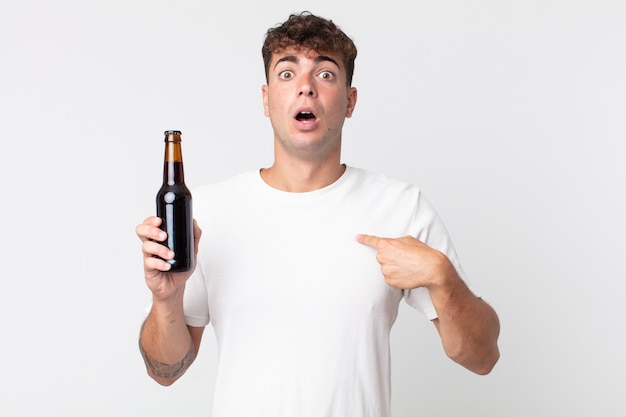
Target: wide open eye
(326, 75)
(285, 75)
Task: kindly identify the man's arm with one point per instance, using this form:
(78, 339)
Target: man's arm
(468, 327)
(167, 344)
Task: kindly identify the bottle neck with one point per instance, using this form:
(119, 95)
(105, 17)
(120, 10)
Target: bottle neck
(173, 172)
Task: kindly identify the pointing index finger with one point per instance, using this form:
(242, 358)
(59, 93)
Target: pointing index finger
(368, 240)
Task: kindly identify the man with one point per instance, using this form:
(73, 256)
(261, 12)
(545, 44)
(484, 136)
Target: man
(305, 262)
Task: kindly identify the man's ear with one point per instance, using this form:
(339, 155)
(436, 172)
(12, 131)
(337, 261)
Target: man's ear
(352, 96)
(266, 109)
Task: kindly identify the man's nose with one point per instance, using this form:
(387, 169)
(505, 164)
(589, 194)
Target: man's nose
(306, 88)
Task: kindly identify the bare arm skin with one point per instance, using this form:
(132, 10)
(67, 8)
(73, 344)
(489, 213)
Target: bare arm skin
(468, 326)
(167, 373)
(168, 346)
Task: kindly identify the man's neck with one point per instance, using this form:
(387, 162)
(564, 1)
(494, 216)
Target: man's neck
(302, 177)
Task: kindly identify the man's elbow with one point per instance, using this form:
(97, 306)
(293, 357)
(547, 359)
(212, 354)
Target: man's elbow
(165, 382)
(487, 365)
(480, 361)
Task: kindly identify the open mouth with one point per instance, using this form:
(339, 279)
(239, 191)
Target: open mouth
(305, 116)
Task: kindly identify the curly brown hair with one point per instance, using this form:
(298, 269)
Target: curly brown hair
(305, 30)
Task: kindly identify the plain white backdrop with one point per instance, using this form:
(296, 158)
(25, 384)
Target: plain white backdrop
(508, 114)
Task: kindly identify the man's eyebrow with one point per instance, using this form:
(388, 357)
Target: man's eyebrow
(322, 58)
(287, 58)
(294, 59)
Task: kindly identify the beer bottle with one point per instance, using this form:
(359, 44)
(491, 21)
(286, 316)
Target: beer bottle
(174, 206)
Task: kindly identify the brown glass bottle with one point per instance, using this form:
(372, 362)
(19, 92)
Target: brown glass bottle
(174, 205)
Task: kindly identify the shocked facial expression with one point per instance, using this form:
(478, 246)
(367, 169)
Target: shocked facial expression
(307, 100)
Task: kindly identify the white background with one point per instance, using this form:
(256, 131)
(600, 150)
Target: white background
(510, 115)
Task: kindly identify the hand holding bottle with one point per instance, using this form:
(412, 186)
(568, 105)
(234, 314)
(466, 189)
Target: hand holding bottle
(163, 283)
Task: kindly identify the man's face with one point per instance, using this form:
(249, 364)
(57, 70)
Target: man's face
(307, 101)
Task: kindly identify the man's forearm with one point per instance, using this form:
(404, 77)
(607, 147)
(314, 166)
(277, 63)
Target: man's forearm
(166, 346)
(165, 372)
(468, 326)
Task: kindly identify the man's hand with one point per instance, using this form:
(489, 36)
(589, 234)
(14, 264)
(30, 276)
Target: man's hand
(406, 262)
(164, 285)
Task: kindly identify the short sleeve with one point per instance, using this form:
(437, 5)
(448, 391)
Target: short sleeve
(195, 303)
(428, 228)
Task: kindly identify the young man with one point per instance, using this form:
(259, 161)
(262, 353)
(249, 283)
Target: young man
(305, 263)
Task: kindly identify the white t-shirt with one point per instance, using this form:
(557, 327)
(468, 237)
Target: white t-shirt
(300, 310)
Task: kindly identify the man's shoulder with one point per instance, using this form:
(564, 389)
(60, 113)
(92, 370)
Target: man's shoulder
(374, 180)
